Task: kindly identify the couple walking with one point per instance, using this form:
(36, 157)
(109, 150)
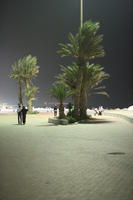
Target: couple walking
(22, 111)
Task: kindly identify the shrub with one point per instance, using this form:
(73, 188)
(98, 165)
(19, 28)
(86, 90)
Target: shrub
(71, 119)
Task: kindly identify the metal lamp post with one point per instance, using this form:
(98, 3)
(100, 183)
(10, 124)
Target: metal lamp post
(81, 13)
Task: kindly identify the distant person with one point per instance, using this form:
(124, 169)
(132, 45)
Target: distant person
(55, 111)
(96, 112)
(19, 114)
(24, 112)
(101, 110)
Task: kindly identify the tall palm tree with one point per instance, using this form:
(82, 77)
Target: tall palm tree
(16, 74)
(60, 92)
(94, 77)
(83, 47)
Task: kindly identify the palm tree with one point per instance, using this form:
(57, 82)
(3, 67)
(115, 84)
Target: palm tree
(30, 72)
(30, 95)
(68, 77)
(94, 76)
(24, 71)
(60, 92)
(83, 47)
(16, 74)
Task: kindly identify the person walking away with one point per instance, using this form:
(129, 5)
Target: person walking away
(19, 114)
(24, 112)
(55, 111)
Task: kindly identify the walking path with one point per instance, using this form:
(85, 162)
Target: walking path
(40, 161)
(121, 113)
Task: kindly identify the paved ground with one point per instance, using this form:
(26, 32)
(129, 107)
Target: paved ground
(126, 112)
(75, 162)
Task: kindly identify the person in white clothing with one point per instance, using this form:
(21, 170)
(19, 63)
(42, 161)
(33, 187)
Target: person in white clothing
(19, 114)
(101, 110)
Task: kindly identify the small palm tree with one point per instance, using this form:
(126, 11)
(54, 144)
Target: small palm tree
(60, 92)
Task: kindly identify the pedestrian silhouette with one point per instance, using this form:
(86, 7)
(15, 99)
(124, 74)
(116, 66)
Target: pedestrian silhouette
(55, 110)
(24, 112)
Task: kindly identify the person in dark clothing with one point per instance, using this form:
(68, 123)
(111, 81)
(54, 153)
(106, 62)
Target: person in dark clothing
(24, 112)
(19, 114)
(55, 111)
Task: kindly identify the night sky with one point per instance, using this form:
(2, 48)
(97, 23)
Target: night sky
(37, 26)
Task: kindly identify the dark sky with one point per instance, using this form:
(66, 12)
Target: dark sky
(37, 26)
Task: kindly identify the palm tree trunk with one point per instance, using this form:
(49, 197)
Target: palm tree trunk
(61, 111)
(83, 104)
(29, 105)
(83, 96)
(78, 88)
(20, 92)
(29, 101)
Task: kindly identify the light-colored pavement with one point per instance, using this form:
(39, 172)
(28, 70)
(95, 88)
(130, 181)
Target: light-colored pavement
(75, 162)
(121, 113)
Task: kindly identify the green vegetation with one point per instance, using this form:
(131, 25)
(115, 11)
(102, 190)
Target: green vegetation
(60, 92)
(79, 80)
(83, 78)
(71, 119)
(92, 85)
(24, 71)
(82, 48)
(16, 74)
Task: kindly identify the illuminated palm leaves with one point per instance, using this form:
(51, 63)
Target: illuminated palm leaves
(90, 41)
(60, 92)
(24, 71)
(86, 44)
(16, 74)
(95, 76)
(83, 47)
(30, 68)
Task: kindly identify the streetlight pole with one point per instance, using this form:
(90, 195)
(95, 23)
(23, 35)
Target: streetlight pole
(81, 13)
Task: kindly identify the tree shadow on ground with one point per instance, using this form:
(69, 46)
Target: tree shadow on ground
(47, 125)
(96, 121)
(116, 153)
(92, 121)
(51, 125)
